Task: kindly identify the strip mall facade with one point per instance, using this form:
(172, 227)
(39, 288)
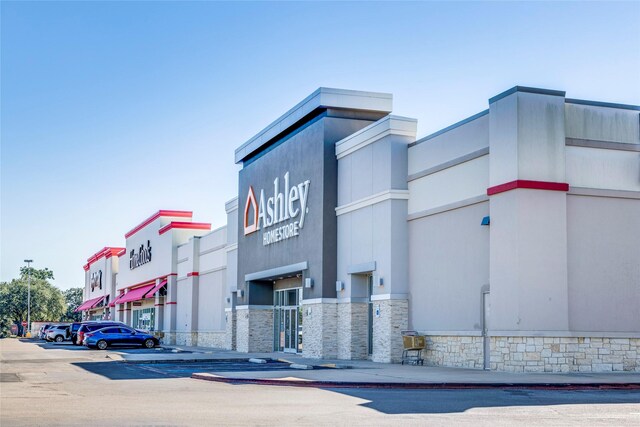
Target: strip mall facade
(510, 239)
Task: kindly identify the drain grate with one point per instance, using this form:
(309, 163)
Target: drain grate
(9, 378)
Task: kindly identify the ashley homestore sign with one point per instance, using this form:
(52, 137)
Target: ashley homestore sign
(288, 206)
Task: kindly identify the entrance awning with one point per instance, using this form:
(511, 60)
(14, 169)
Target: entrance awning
(115, 301)
(155, 289)
(135, 294)
(89, 304)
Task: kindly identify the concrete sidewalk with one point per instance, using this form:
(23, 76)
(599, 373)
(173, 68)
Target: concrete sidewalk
(363, 373)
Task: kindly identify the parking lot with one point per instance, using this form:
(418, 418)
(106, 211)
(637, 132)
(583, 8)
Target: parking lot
(77, 386)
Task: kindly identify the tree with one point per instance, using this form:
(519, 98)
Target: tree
(47, 302)
(73, 299)
(42, 274)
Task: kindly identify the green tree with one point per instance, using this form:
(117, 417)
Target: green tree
(73, 299)
(42, 274)
(47, 302)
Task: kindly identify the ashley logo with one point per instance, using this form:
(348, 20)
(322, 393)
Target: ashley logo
(282, 206)
(142, 257)
(96, 280)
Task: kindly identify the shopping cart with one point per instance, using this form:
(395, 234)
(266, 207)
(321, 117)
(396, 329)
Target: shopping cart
(413, 345)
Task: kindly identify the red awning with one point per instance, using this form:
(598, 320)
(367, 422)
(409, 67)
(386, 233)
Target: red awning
(115, 301)
(135, 294)
(155, 289)
(89, 304)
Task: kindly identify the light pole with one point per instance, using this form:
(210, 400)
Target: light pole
(28, 261)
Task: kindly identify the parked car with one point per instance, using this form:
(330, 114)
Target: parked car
(43, 329)
(73, 330)
(58, 333)
(93, 326)
(119, 335)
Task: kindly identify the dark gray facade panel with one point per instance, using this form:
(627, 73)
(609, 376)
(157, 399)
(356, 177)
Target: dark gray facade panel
(307, 155)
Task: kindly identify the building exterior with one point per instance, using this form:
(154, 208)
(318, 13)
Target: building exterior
(510, 239)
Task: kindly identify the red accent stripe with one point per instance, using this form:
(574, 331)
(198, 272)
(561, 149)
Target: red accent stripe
(185, 225)
(158, 305)
(122, 252)
(532, 185)
(193, 273)
(170, 302)
(107, 252)
(143, 224)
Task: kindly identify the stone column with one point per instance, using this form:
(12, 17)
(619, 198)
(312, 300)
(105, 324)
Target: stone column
(319, 330)
(389, 319)
(352, 331)
(230, 331)
(254, 329)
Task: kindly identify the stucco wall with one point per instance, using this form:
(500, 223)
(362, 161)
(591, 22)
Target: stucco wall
(602, 123)
(212, 290)
(448, 265)
(601, 168)
(604, 263)
(462, 140)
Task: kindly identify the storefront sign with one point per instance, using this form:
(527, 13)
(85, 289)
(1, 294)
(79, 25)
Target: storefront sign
(289, 206)
(142, 257)
(96, 280)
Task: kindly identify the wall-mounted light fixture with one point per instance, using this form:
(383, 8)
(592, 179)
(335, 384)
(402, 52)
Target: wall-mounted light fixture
(339, 286)
(377, 281)
(308, 282)
(228, 300)
(241, 293)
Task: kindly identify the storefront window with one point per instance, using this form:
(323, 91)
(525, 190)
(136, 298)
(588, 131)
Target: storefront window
(144, 319)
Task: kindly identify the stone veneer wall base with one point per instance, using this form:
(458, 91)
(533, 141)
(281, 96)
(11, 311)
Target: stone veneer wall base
(565, 354)
(186, 338)
(213, 339)
(319, 335)
(352, 331)
(536, 354)
(387, 329)
(169, 338)
(230, 331)
(454, 351)
(254, 330)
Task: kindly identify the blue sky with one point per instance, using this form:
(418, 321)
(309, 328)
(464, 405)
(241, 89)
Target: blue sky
(111, 111)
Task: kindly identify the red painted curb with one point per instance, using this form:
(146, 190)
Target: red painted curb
(423, 386)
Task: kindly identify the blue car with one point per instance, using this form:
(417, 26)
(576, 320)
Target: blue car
(119, 335)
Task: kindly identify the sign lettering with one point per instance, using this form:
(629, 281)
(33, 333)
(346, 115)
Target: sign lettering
(289, 206)
(142, 257)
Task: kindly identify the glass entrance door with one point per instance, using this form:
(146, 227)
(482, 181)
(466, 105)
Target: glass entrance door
(287, 314)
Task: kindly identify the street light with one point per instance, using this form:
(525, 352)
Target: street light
(28, 261)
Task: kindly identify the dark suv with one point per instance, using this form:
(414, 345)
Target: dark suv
(93, 326)
(73, 330)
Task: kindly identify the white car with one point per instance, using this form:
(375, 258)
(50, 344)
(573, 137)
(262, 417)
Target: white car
(58, 333)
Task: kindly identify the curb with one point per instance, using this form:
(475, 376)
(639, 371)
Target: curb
(186, 360)
(418, 386)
